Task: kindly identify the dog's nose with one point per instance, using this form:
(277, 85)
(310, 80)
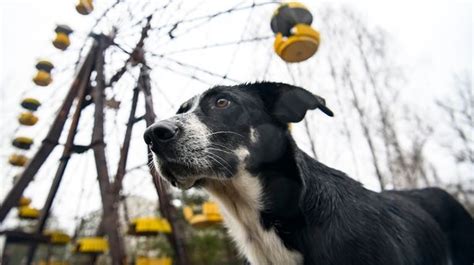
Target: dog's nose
(162, 131)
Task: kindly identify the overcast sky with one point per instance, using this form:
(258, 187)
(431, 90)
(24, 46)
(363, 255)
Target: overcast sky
(436, 35)
(433, 38)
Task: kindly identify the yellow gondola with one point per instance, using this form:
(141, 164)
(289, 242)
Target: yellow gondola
(27, 212)
(153, 261)
(210, 215)
(91, 245)
(22, 142)
(27, 118)
(30, 104)
(24, 201)
(295, 39)
(17, 160)
(58, 237)
(53, 262)
(43, 76)
(62, 40)
(149, 226)
(300, 46)
(85, 7)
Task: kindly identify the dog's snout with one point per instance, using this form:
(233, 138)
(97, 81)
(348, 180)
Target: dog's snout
(162, 131)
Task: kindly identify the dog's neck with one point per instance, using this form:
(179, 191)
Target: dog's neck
(262, 204)
(241, 202)
(256, 202)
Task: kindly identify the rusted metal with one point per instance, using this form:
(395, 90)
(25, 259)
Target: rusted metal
(177, 237)
(121, 169)
(111, 223)
(66, 155)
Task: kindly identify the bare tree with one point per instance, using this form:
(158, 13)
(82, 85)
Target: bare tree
(367, 84)
(461, 119)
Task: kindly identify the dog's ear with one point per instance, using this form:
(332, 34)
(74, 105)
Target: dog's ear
(289, 103)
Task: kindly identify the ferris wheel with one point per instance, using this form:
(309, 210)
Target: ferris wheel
(75, 142)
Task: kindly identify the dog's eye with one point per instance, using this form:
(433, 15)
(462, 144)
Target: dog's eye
(222, 103)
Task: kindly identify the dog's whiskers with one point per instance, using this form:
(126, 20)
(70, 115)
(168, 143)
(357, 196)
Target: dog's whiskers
(217, 159)
(221, 145)
(215, 155)
(224, 132)
(220, 150)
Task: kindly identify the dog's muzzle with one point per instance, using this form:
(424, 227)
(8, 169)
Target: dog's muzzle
(163, 140)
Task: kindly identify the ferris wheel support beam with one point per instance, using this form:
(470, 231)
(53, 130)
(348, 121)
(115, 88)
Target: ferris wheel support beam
(121, 168)
(111, 223)
(137, 54)
(66, 155)
(110, 191)
(48, 144)
(177, 237)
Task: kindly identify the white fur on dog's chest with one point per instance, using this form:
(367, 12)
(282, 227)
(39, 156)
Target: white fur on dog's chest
(240, 200)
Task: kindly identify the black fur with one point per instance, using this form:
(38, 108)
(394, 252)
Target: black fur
(340, 222)
(318, 211)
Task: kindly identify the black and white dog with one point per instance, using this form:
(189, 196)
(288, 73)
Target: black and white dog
(283, 207)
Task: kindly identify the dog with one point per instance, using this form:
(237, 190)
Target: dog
(283, 207)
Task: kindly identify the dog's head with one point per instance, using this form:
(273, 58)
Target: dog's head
(225, 129)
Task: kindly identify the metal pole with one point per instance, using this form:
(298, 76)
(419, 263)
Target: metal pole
(177, 237)
(110, 208)
(68, 149)
(117, 186)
